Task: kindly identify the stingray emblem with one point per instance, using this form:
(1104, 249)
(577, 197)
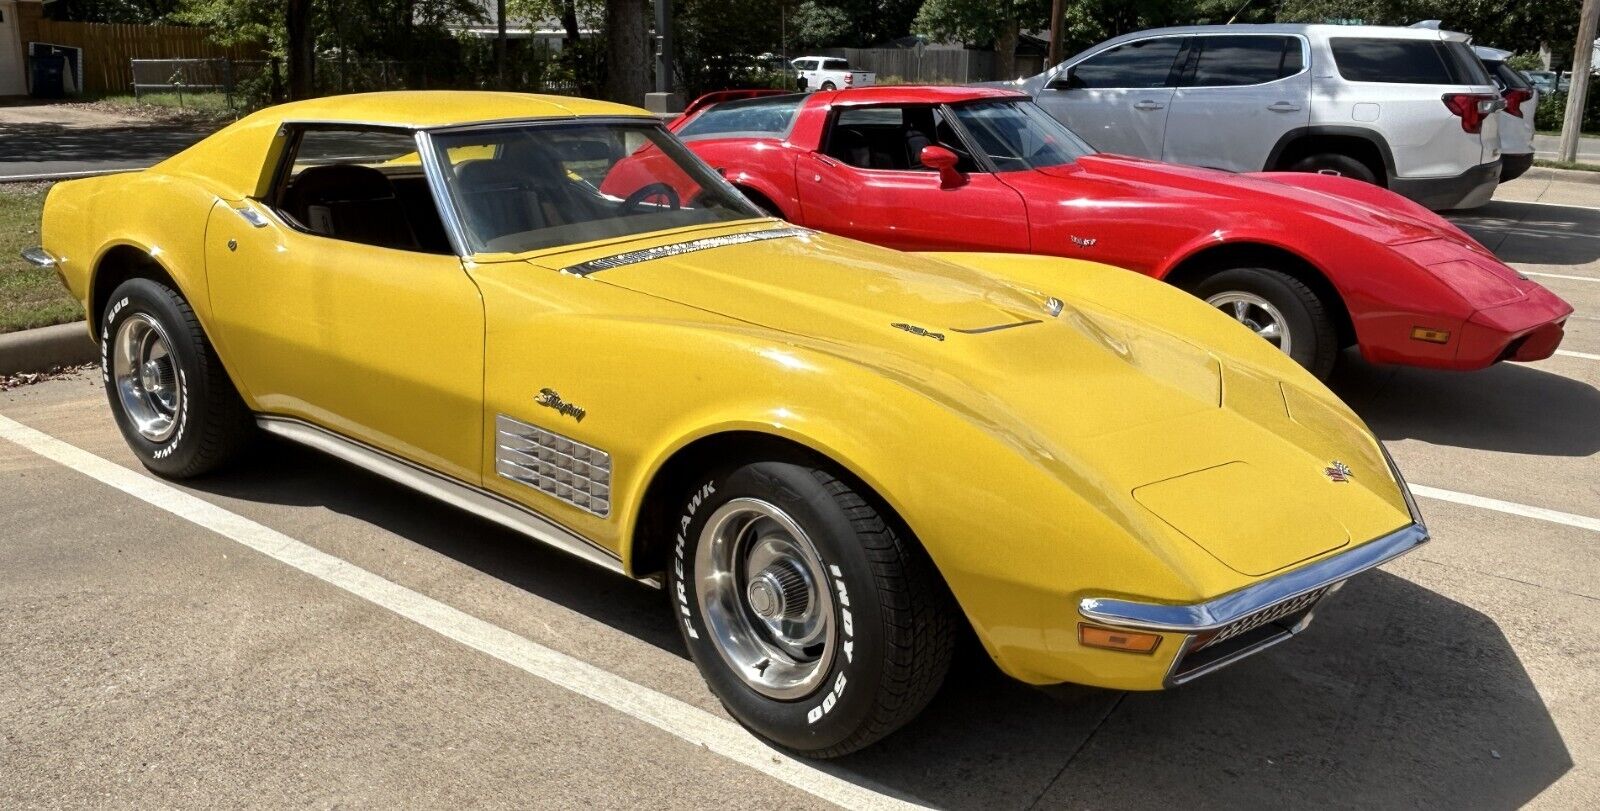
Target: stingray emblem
(550, 399)
(1338, 472)
(916, 330)
(1083, 242)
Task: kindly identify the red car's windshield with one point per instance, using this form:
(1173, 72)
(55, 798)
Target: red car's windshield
(1017, 135)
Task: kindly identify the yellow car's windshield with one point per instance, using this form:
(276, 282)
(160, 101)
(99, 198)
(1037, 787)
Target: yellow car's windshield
(524, 188)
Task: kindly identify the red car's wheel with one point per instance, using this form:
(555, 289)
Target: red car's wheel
(1279, 308)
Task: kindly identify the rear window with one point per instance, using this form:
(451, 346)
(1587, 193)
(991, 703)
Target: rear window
(1506, 77)
(1407, 61)
(835, 64)
(766, 116)
(1242, 60)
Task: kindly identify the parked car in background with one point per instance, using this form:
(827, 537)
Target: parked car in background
(829, 73)
(1517, 119)
(1311, 262)
(836, 458)
(1407, 109)
(1542, 80)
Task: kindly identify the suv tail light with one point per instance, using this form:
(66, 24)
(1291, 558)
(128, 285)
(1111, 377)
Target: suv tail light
(1472, 108)
(1514, 98)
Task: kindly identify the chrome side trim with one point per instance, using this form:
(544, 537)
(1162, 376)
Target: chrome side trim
(475, 500)
(679, 248)
(996, 327)
(39, 257)
(553, 464)
(250, 215)
(434, 169)
(1214, 614)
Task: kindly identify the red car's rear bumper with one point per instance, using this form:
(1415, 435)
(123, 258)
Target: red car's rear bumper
(1527, 329)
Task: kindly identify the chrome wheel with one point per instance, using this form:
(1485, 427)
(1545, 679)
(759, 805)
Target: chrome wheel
(1256, 313)
(763, 593)
(146, 377)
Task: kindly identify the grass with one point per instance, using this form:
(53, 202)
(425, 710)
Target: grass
(204, 102)
(1579, 166)
(29, 297)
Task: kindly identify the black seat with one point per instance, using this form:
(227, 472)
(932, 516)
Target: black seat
(850, 145)
(350, 202)
(498, 199)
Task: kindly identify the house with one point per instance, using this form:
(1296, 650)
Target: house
(547, 31)
(19, 20)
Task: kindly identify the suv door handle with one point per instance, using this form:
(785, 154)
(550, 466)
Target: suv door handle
(1283, 107)
(1148, 105)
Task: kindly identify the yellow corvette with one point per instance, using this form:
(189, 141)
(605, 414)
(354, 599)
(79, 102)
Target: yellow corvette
(836, 457)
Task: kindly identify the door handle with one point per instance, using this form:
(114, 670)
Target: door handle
(1148, 105)
(1283, 107)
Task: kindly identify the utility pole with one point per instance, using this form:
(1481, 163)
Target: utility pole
(1582, 53)
(1056, 13)
(500, 45)
(663, 46)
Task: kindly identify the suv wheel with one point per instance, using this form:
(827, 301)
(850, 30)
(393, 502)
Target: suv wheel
(1279, 308)
(1333, 163)
(811, 618)
(170, 396)
(829, 86)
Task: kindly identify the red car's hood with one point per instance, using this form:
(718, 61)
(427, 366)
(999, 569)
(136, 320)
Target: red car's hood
(1369, 211)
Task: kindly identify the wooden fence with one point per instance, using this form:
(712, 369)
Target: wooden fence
(109, 47)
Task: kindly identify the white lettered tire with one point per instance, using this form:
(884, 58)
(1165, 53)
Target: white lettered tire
(816, 621)
(169, 393)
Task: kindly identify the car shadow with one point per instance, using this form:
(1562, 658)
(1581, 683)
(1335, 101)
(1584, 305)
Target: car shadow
(1534, 233)
(1507, 407)
(1397, 696)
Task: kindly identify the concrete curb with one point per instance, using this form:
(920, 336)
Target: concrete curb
(1562, 175)
(36, 350)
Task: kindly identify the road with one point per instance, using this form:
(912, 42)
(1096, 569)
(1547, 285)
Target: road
(53, 140)
(298, 632)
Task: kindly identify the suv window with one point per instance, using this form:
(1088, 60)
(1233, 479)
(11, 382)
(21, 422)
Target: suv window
(770, 115)
(1230, 61)
(1506, 77)
(359, 185)
(1146, 63)
(1406, 61)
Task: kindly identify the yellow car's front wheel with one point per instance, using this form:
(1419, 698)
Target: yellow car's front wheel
(811, 615)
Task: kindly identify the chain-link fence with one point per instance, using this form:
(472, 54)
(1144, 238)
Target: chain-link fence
(241, 85)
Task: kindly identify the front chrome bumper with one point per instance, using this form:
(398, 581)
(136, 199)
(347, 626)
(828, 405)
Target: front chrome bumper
(1235, 625)
(39, 257)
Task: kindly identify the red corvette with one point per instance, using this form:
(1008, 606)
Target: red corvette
(1312, 263)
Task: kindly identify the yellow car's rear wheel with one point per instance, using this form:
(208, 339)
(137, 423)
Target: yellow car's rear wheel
(814, 618)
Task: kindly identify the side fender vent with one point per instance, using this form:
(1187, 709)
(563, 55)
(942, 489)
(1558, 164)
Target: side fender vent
(548, 462)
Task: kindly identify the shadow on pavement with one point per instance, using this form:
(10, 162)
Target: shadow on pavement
(1538, 234)
(1506, 407)
(1396, 696)
(48, 143)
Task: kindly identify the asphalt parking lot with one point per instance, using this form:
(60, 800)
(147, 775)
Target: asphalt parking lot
(297, 631)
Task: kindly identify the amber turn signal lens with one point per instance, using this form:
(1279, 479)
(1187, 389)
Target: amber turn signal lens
(1117, 639)
(1432, 336)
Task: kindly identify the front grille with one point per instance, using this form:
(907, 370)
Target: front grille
(1272, 613)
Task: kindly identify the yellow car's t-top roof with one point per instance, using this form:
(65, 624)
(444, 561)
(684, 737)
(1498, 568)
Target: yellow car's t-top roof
(232, 162)
(437, 108)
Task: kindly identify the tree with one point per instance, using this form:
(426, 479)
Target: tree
(978, 22)
(627, 40)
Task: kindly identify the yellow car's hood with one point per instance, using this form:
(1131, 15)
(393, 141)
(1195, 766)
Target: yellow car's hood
(1129, 416)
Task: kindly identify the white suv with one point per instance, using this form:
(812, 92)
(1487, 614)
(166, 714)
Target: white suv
(1410, 109)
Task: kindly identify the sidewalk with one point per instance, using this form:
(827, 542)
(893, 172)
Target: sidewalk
(1562, 187)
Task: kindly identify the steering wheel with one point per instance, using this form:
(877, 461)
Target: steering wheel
(648, 191)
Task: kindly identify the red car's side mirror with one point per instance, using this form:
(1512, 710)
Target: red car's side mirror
(938, 157)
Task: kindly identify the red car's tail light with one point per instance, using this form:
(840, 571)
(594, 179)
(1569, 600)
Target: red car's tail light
(1514, 98)
(1472, 108)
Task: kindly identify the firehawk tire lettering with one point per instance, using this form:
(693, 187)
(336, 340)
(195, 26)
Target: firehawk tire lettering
(679, 545)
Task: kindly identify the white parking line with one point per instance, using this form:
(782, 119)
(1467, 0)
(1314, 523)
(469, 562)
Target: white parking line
(668, 714)
(1570, 354)
(1560, 276)
(1508, 507)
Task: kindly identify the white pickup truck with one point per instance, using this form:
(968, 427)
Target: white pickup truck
(829, 73)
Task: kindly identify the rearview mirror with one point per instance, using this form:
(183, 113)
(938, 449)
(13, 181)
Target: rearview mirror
(934, 156)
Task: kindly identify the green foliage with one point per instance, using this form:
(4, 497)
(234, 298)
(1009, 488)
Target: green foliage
(1525, 61)
(1553, 110)
(722, 44)
(111, 11)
